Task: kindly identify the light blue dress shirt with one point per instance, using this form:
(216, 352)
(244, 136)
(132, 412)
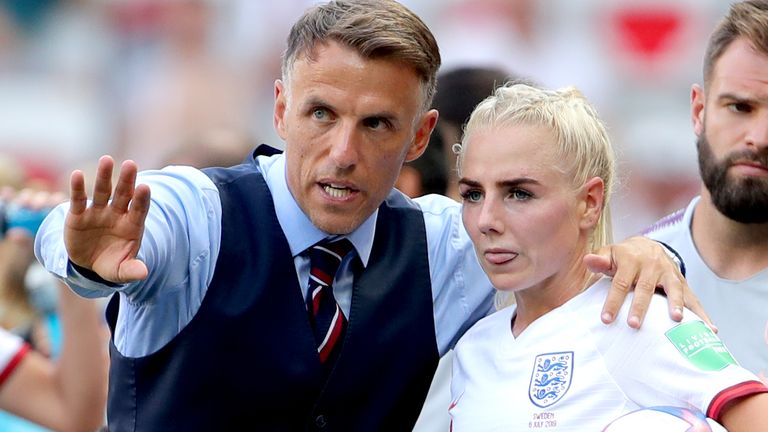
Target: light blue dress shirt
(181, 244)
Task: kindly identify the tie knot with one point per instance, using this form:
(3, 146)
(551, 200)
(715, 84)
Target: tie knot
(338, 247)
(326, 256)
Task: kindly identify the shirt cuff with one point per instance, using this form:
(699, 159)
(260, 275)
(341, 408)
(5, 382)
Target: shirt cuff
(88, 280)
(715, 409)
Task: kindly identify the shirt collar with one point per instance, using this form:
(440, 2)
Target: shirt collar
(298, 229)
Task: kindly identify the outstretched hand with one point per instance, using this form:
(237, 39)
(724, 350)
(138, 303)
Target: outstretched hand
(105, 236)
(642, 264)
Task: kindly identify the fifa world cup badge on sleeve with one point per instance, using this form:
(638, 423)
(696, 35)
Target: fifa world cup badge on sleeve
(700, 346)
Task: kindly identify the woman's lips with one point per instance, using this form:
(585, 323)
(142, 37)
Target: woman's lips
(498, 257)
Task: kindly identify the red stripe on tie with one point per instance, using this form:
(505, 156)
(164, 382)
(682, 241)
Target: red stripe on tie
(715, 410)
(323, 276)
(316, 297)
(335, 332)
(327, 321)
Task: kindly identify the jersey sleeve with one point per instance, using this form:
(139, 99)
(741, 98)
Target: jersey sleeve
(678, 364)
(12, 351)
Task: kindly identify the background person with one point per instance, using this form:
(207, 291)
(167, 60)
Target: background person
(722, 235)
(67, 393)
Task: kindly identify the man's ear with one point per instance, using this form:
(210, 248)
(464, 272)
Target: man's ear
(421, 138)
(593, 195)
(698, 105)
(281, 105)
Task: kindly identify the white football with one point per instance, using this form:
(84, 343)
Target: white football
(664, 419)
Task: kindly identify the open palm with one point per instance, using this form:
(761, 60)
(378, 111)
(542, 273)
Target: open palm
(105, 236)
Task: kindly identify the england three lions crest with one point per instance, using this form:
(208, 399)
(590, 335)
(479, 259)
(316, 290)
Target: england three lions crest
(550, 378)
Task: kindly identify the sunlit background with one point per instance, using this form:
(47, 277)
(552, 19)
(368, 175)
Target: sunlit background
(165, 81)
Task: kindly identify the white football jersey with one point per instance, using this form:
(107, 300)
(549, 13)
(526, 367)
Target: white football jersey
(570, 372)
(739, 308)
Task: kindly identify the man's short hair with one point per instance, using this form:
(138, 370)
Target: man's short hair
(376, 29)
(747, 19)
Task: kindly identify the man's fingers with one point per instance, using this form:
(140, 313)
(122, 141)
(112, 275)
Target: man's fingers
(644, 288)
(597, 263)
(78, 199)
(124, 188)
(132, 270)
(673, 286)
(139, 205)
(679, 294)
(602, 262)
(102, 189)
(620, 286)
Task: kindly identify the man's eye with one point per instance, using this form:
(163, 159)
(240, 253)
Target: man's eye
(320, 113)
(375, 123)
(740, 107)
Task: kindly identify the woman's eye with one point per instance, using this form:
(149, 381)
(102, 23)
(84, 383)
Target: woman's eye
(520, 195)
(472, 196)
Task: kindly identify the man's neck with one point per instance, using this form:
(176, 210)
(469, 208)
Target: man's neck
(732, 250)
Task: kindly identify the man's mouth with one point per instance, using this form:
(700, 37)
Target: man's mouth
(751, 168)
(336, 191)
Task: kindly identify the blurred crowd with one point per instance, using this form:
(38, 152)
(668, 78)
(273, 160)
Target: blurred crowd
(191, 82)
(182, 81)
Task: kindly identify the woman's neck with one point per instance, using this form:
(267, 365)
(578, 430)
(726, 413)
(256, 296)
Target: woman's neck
(536, 301)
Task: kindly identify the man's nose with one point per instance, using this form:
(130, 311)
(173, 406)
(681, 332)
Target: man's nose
(758, 133)
(345, 146)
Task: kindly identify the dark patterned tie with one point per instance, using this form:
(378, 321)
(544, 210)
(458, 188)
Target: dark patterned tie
(328, 321)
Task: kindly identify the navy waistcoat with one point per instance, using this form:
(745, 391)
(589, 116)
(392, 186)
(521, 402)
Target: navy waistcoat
(248, 360)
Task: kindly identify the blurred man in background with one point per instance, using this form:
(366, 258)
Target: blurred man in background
(722, 235)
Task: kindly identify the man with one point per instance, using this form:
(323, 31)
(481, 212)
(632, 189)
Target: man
(229, 315)
(723, 234)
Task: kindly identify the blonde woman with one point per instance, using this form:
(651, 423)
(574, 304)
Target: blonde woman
(536, 170)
